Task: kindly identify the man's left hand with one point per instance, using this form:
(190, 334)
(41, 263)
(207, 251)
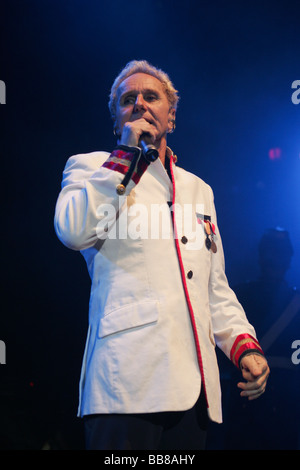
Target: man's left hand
(255, 371)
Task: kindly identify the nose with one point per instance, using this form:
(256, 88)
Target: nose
(139, 104)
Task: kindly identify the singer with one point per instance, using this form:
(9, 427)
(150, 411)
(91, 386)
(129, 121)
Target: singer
(150, 378)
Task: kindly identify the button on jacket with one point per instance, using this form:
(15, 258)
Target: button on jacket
(160, 300)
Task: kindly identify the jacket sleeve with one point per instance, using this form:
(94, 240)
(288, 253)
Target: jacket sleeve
(233, 333)
(89, 196)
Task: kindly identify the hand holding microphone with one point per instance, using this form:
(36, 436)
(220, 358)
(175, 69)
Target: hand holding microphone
(137, 137)
(139, 133)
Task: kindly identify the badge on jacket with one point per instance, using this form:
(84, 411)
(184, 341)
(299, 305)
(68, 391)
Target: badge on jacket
(209, 230)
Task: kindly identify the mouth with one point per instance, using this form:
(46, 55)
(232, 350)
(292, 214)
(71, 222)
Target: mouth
(150, 121)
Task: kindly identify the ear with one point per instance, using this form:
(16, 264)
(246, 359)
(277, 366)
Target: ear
(116, 131)
(171, 120)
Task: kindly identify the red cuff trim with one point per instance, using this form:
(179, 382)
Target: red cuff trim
(120, 161)
(242, 344)
(122, 155)
(121, 168)
(140, 169)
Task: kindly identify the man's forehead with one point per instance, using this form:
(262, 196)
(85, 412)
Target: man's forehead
(140, 82)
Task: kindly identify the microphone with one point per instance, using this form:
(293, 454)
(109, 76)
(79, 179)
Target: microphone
(149, 151)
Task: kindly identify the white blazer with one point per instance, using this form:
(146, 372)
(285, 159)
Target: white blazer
(159, 304)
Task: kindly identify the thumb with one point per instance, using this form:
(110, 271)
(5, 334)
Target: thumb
(252, 367)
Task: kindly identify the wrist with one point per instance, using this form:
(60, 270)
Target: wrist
(244, 344)
(128, 148)
(247, 353)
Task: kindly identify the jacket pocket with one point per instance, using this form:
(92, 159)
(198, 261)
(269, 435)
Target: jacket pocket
(128, 317)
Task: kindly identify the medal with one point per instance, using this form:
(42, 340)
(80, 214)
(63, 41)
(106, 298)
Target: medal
(208, 243)
(207, 227)
(213, 246)
(210, 232)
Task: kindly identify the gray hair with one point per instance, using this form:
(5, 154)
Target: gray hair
(142, 66)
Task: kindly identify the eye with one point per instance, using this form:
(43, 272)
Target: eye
(130, 99)
(151, 97)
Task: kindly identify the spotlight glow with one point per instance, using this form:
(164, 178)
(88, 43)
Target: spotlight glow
(275, 154)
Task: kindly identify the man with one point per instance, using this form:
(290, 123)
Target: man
(160, 300)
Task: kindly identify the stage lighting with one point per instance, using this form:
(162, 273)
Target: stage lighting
(275, 154)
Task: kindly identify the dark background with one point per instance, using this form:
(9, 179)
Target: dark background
(233, 64)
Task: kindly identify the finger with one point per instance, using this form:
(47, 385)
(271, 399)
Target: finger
(255, 374)
(254, 363)
(253, 394)
(132, 132)
(148, 132)
(252, 390)
(254, 384)
(142, 125)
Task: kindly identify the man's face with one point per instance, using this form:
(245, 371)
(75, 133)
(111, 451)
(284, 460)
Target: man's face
(143, 96)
